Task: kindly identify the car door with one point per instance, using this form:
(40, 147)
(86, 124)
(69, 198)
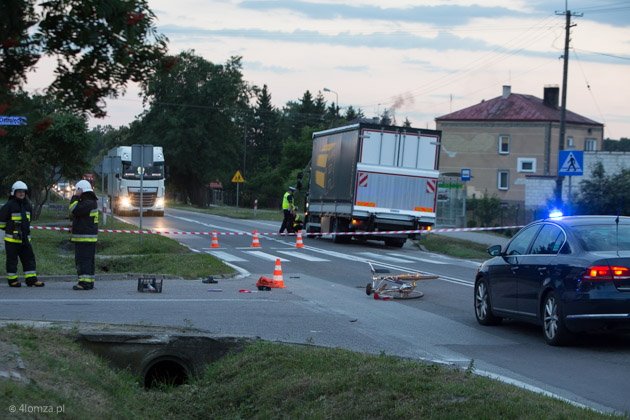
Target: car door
(535, 267)
(504, 273)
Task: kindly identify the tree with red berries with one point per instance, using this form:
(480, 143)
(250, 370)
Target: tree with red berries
(98, 45)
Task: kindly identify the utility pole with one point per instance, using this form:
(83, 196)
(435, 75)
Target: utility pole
(563, 106)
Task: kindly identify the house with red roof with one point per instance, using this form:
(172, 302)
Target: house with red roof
(508, 138)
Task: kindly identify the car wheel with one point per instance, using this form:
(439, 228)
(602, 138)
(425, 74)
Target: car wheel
(483, 309)
(556, 333)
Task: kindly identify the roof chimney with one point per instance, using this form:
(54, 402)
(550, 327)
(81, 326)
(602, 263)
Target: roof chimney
(506, 91)
(551, 96)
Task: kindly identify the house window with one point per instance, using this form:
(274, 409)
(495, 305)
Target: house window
(504, 145)
(503, 180)
(527, 165)
(590, 145)
(570, 142)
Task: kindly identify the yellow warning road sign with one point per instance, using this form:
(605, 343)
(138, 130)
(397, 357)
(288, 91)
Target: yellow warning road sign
(238, 177)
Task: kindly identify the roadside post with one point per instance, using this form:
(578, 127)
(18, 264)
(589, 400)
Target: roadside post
(141, 156)
(238, 178)
(570, 163)
(465, 174)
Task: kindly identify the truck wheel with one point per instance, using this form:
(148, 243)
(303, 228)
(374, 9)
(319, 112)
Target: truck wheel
(339, 239)
(395, 242)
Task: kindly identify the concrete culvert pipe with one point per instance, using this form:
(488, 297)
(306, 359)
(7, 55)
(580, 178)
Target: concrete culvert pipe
(166, 370)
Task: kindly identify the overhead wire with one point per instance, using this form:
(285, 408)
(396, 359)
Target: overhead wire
(588, 86)
(497, 54)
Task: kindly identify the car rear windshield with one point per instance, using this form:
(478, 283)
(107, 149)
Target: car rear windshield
(604, 237)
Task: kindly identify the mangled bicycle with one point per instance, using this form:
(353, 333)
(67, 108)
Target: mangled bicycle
(395, 286)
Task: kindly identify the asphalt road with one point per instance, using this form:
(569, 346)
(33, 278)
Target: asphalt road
(324, 303)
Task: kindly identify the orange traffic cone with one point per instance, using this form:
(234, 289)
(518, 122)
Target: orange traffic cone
(277, 275)
(215, 240)
(255, 242)
(299, 243)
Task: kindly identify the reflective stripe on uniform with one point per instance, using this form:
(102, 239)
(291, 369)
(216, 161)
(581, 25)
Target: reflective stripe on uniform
(94, 214)
(12, 276)
(28, 274)
(84, 238)
(18, 216)
(86, 279)
(73, 205)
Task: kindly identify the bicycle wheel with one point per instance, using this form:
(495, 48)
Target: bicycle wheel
(369, 289)
(402, 293)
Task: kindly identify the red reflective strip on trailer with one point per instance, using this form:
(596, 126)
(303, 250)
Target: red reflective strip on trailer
(428, 209)
(365, 204)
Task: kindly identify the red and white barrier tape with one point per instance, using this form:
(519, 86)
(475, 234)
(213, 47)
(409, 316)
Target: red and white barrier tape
(389, 232)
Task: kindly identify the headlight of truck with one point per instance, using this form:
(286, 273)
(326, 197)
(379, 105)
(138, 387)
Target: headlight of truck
(125, 202)
(159, 202)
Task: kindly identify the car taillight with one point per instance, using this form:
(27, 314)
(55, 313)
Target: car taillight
(606, 273)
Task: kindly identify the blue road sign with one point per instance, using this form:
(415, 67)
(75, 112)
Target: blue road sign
(465, 174)
(4, 120)
(570, 163)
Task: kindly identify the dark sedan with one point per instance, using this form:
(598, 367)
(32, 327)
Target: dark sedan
(569, 274)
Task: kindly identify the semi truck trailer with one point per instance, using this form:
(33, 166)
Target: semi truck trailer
(367, 179)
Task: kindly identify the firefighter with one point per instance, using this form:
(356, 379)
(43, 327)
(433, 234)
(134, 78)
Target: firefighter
(15, 219)
(84, 216)
(287, 209)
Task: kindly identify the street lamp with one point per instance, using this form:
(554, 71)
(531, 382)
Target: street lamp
(336, 98)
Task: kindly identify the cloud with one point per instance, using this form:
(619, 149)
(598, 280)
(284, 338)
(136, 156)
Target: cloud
(259, 66)
(439, 14)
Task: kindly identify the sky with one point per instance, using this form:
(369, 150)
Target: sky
(420, 59)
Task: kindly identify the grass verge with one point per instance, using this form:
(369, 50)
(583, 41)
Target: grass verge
(121, 253)
(266, 380)
(233, 212)
(454, 247)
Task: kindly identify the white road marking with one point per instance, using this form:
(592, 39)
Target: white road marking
(420, 259)
(225, 256)
(303, 256)
(374, 256)
(265, 256)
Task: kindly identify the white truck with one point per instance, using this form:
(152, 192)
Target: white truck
(124, 190)
(371, 178)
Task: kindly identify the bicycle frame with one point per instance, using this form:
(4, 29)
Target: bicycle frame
(396, 286)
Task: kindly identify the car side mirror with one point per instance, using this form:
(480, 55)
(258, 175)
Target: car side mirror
(494, 250)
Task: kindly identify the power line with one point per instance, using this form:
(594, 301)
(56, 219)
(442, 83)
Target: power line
(605, 54)
(517, 44)
(588, 86)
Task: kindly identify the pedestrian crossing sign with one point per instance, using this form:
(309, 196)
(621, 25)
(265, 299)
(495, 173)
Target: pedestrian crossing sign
(570, 162)
(238, 177)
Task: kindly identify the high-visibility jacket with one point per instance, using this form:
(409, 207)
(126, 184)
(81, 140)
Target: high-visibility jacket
(287, 201)
(84, 212)
(15, 220)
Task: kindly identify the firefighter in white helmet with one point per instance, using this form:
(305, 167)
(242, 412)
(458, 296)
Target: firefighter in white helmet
(84, 215)
(15, 220)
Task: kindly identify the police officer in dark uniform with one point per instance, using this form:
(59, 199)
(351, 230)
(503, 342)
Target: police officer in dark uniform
(15, 219)
(84, 215)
